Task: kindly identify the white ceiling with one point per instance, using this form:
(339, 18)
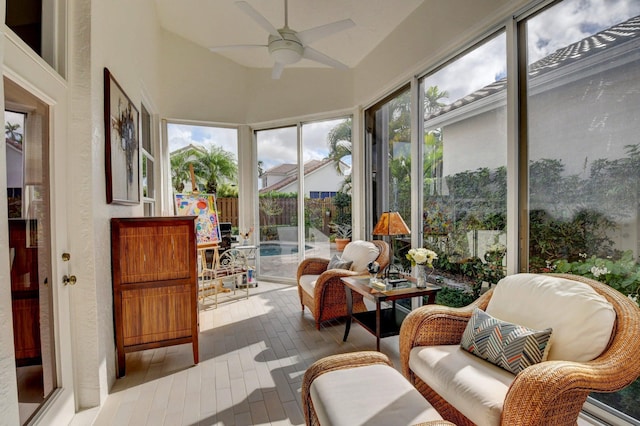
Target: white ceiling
(211, 23)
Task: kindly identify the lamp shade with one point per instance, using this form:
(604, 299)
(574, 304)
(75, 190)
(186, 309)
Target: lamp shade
(391, 223)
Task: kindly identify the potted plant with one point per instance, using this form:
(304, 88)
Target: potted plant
(343, 235)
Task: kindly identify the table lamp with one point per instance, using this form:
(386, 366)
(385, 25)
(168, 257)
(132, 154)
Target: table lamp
(391, 223)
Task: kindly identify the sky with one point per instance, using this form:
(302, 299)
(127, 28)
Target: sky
(555, 28)
(275, 146)
(552, 29)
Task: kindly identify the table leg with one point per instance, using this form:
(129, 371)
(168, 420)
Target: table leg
(378, 325)
(347, 327)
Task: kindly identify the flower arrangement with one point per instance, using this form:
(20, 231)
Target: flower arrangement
(245, 235)
(421, 256)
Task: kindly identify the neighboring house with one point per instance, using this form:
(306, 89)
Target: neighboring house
(563, 79)
(321, 179)
(474, 127)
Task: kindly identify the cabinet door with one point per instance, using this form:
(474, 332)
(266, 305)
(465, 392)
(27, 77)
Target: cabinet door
(173, 261)
(156, 314)
(137, 253)
(154, 253)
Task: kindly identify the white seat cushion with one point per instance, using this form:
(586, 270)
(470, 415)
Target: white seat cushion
(308, 283)
(360, 253)
(473, 386)
(368, 395)
(581, 319)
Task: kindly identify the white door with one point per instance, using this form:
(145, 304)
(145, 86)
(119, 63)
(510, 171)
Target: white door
(40, 265)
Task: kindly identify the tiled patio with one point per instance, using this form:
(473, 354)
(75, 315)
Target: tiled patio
(253, 354)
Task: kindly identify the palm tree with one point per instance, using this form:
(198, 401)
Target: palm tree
(10, 131)
(432, 100)
(213, 166)
(179, 170)
(339, 139)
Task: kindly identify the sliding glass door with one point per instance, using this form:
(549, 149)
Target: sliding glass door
(312, 159)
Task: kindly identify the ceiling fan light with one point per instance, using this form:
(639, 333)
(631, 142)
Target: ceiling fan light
(285, 51)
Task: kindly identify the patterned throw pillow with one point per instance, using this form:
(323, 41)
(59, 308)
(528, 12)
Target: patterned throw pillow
(337, 262)
(509, 346)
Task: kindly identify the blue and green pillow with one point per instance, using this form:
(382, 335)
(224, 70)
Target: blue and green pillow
(510, 346)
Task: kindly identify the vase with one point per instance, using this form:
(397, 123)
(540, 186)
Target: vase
(422, 274)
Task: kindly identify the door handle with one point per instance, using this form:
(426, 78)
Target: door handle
(70, 280)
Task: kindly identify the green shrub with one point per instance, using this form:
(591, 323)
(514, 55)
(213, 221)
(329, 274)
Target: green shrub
(454, 297)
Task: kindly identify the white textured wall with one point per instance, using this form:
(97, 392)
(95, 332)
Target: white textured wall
(200, 85)
(299, 92)
(124, 37)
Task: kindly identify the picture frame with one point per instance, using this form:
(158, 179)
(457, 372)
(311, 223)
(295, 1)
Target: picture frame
(122, 144)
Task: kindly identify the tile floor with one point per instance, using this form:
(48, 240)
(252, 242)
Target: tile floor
(253, 354)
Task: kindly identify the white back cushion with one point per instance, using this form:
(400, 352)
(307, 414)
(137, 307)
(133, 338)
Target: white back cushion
(581, 319)
(360, 253)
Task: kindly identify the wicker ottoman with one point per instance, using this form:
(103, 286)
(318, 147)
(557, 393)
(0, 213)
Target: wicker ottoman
(362, 388)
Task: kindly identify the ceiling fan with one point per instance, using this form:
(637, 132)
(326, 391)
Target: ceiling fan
(287, 46)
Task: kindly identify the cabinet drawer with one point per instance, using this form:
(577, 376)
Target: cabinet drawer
(156, 314)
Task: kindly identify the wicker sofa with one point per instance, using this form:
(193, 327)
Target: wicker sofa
(321, 290)
(593, 348)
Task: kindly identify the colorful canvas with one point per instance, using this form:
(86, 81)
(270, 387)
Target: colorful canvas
(204, 207)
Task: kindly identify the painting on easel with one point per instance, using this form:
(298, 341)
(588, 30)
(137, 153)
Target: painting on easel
(204, 207)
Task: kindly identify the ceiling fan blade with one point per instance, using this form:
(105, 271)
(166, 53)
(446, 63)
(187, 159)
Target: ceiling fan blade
(236, 47)
(317, 33)
(256, 16)
(314, 55)
(277, 70)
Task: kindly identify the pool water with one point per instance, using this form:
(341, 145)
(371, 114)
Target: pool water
(277, 249)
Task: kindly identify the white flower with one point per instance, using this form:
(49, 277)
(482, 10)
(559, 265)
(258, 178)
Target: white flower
(597, 271)
(421, 256)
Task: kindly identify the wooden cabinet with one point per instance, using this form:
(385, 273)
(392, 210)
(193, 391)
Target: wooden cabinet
(25, 294)
(155, 287)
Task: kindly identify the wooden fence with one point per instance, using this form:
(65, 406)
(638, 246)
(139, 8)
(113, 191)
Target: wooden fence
(319, 213)
(227, 210)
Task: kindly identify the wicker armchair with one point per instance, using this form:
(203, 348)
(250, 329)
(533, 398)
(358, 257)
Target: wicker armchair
(551, 392)
(328, 300)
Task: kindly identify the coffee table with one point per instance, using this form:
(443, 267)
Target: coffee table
(382, 322)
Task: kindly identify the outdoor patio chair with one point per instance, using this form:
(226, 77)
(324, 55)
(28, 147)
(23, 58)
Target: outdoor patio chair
(592, 348)
(320, 288)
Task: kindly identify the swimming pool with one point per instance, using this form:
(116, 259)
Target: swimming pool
(278, 249)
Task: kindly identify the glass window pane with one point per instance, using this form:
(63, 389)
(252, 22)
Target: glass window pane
(278, 202)
(29, 237)
(212, 154)
(389, 125)
(327, 169)
(464, 168)
(145, 128)
(583, 150)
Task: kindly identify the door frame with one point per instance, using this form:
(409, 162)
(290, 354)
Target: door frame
(32, 74)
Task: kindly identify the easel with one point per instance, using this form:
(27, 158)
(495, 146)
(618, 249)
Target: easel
(203, 269)
(203, 247)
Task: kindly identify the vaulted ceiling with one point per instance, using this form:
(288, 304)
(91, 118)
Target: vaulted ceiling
(211, 23)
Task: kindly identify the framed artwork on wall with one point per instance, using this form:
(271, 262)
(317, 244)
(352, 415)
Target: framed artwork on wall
(122, 144)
